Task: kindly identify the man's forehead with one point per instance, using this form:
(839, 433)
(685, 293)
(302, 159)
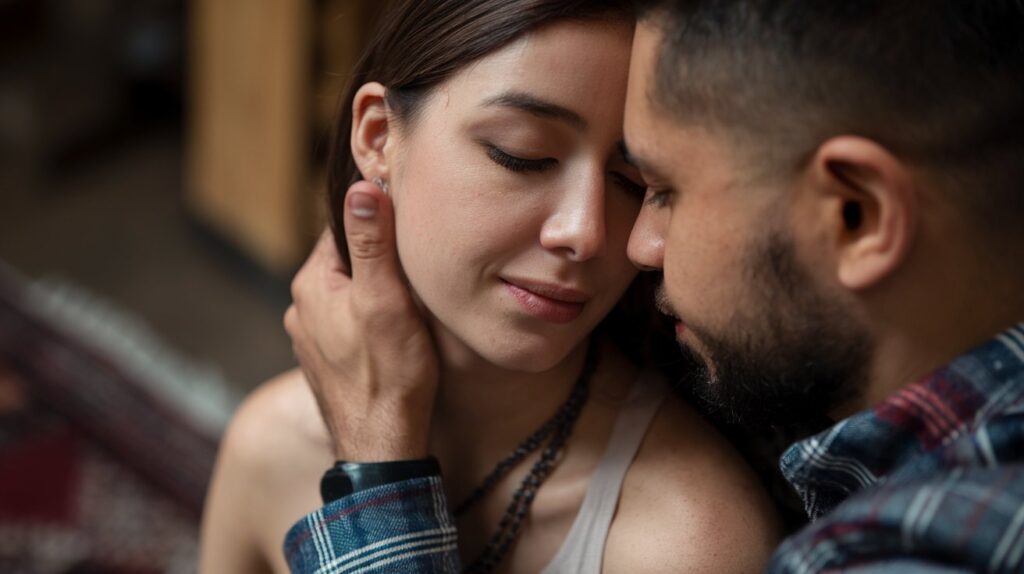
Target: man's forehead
(640, 120)
(643, 60)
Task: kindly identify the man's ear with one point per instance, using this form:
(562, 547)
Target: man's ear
(870, 208)
(370, 130)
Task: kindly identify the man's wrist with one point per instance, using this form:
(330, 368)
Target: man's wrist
(381, 449)
(345, 478)
(400, 435)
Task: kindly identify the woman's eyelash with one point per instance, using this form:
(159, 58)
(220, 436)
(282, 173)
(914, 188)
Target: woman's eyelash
(522, 165)
(631, 187)
(518, 164)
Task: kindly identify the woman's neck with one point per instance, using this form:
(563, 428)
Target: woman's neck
(483, 411)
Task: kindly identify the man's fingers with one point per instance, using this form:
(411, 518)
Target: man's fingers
(323, 270)
(326, 262)
(370, 233)
(325, 253)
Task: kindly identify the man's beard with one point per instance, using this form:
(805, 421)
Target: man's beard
(789, 355)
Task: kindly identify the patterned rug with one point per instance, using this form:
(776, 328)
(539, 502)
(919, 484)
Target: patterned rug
(106, 444)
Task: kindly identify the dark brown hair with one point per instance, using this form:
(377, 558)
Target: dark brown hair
(938, 82)
(418, 45)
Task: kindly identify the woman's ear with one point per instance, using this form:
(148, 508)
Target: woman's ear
(871, 208)
(370, 130)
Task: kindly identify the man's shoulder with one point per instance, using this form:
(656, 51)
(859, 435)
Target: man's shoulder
(996, 440)
(967, 517)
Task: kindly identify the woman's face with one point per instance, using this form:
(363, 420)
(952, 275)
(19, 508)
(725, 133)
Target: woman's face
(513, 202)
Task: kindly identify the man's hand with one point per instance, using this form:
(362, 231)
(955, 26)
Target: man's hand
(360, 340)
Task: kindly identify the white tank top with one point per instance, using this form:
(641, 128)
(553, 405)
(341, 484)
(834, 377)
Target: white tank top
(583, 549)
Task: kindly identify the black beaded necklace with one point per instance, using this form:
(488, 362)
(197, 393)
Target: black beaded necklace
(556, 431)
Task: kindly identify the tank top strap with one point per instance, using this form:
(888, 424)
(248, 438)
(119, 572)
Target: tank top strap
(583, 548)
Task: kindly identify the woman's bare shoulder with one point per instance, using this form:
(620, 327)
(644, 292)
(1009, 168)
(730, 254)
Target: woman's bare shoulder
(275, 437)
(267, 472)
(690, 503)
(279, 417)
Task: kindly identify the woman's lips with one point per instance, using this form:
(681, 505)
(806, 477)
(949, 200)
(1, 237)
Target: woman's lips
(547, 302)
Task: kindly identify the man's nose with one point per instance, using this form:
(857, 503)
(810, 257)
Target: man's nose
(646, 247)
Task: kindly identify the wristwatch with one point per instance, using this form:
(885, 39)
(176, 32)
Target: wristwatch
(345, 478)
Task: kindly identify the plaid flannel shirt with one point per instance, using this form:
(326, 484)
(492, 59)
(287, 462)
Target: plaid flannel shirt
(400, 527)
(931, 481)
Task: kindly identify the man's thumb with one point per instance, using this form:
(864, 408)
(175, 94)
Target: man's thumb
(370, 234)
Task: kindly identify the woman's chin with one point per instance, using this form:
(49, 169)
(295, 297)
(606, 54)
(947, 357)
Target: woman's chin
(526, 356)
(528, 363)
(529, 355)
(509, 348)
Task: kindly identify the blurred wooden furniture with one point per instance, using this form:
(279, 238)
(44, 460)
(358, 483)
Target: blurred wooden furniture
(264, 80)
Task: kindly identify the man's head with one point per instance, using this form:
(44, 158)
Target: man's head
(819, 172)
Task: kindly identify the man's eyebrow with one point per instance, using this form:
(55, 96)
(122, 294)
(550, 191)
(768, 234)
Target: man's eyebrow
(538, 107)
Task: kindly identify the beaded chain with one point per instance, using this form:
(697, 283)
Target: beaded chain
(558, 428)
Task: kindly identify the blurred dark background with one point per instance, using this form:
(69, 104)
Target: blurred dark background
(160, 181)
(92, 156)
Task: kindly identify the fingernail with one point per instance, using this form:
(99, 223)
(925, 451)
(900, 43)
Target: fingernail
(363, 206)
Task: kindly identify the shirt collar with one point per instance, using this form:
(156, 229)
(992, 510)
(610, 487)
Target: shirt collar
(877, 444)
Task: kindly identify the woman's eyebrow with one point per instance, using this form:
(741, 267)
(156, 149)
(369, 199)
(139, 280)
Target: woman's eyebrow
(538, 107)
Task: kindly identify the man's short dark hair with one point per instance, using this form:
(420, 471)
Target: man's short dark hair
(940, 83)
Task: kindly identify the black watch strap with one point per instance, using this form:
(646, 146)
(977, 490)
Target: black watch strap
(344, 478)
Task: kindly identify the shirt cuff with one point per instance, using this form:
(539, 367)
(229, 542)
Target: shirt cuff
(403, 526)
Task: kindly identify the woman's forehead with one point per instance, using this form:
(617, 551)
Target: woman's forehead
(575, 66)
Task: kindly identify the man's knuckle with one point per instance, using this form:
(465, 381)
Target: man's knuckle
(291, 317)
(296, 287)
(363, 245)
(368, 302)
(377, 323)
(363, 309)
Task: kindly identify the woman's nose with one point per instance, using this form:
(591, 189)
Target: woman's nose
(646, 247)
(576, 226)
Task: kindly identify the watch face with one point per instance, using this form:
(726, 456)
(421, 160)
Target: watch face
(334, 485)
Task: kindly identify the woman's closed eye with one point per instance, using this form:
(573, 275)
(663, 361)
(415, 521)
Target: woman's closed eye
(523, 165)
(519, 164)
(628, 185)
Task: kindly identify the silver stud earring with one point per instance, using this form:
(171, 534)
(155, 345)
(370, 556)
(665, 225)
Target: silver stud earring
(383, 185)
